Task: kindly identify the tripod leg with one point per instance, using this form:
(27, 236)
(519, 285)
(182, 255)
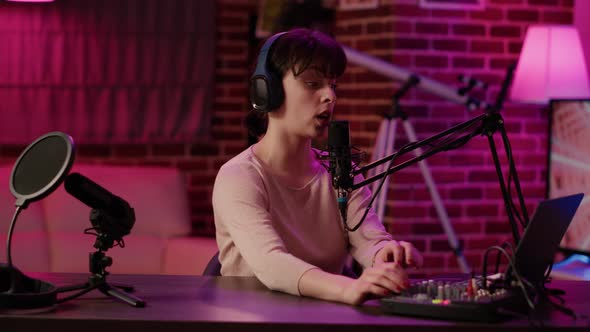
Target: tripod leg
(121, 295)
(440, 209)
(124, 287)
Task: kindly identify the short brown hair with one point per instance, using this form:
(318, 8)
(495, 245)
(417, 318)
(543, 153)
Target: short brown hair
(298, 50)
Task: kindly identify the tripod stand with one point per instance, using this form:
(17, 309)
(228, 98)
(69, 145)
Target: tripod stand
(97, 280)
(385, 146)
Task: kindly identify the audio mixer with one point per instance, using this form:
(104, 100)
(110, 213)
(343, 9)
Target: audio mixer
(455, 299)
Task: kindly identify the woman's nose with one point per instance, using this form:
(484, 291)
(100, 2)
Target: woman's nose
(329, 95)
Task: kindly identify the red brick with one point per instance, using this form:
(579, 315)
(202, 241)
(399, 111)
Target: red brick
(450, 45)
(567, 3)
(489, 14)
(502, 63)
(465, 62)
(432, 28)
(543, 2)
(469, 29)
(487, 46)
(409, 43)
(432, 61)
(466, 193)
(523, 15)
(427, 228)
(442, 245)
(504, 2)
(514, 47)
(467, 227)
(204, 150)
(432, 261)
(453, 211)
(505, 31)
(452, 13)
(558, 17)
(497, 227)
(483, 210)
(356, 29)
(409, 10)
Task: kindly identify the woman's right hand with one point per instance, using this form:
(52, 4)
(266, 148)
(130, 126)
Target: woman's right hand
(376, 282)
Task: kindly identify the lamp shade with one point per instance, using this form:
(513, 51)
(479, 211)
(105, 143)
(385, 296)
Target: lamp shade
(551, 66)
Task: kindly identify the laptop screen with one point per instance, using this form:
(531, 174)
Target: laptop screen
(542, 236)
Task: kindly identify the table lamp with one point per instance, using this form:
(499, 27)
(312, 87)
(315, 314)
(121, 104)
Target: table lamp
(551, 66)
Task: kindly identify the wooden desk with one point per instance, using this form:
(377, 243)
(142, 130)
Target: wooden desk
(186, 303)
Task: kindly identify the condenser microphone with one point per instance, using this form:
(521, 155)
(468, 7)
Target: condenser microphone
(340, 163)
(119, 218)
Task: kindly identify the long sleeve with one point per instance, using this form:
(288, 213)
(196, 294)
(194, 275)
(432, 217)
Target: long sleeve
(241, 210)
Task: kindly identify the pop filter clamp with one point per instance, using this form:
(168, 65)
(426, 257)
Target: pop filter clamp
(38, 171)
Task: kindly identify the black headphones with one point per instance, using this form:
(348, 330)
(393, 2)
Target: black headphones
(266, 87)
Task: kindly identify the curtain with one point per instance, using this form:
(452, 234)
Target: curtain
(107, 71)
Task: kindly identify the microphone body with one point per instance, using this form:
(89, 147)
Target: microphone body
(340, 163)
(111, 214)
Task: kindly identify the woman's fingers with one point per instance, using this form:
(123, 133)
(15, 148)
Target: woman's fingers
(411, 254)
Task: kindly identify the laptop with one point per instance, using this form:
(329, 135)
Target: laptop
(533, 255)
(542, 236)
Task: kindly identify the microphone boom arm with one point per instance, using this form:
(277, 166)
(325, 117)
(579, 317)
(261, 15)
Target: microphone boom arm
(412, 146)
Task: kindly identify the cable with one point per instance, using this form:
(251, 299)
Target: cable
(520, 281)
(375, 194)
(73, 296)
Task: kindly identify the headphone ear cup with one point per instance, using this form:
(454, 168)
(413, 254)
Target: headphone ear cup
(266, 87)
(277, 94)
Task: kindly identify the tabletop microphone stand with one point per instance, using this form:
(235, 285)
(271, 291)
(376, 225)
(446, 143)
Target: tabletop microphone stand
(98, 262)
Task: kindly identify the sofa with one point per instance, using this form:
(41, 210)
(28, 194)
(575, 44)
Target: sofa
(49, 234)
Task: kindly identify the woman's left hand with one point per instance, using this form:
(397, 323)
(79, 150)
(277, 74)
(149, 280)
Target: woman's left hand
(402, 252)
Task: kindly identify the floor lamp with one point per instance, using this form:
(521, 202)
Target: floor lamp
(552, 66)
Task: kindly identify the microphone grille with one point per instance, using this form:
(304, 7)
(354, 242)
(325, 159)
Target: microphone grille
(338, 134)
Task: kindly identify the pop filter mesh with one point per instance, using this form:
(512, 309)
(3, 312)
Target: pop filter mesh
(40, 165)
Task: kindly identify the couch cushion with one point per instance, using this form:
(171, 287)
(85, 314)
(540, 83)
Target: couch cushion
(29, 251)
(188, 255)
(142, 253)
(158, 196)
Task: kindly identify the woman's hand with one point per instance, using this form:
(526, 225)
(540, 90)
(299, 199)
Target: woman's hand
(403, 253)
(385, 277)
(376, 282)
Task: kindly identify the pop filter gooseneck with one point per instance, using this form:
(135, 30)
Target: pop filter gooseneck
(38, 171)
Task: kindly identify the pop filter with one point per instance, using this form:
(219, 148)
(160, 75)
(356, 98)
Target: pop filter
(41, 168)
(38, 171)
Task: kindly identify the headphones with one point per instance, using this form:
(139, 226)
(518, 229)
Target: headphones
(266, 87)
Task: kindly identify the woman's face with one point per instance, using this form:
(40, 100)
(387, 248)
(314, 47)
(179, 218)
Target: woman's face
(309, 103)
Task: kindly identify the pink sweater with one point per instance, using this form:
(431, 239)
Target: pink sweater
(276, 233)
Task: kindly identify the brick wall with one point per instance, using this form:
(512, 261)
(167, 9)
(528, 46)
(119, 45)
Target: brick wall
(439, 44)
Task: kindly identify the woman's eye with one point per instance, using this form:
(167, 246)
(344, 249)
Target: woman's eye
(312, 84)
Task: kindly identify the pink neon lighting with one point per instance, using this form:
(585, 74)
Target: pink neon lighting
(551, 66)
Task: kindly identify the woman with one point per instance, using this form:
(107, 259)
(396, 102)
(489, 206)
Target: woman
(275, 210)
